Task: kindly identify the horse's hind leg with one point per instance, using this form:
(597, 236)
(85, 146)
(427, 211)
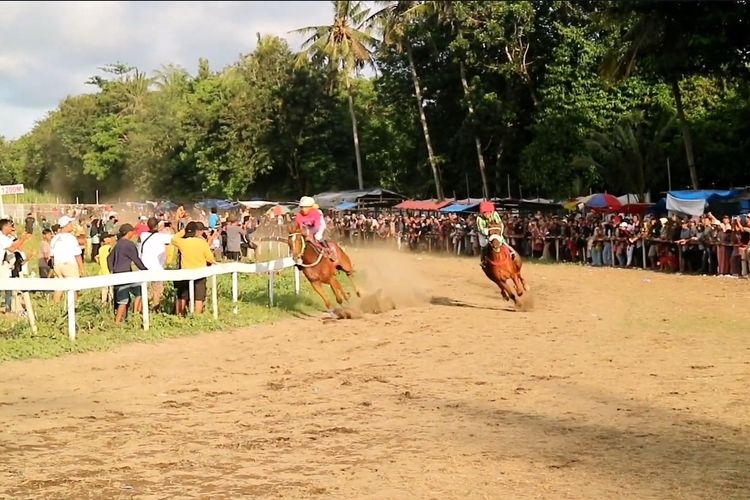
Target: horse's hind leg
(346, 265)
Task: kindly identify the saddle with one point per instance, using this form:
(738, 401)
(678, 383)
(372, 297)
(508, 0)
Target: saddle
(327, 251)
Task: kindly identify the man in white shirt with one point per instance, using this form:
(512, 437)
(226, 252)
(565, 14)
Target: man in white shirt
(66, 253)
(153, 249)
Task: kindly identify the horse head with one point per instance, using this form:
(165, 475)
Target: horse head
(495, 237)
(296, 241)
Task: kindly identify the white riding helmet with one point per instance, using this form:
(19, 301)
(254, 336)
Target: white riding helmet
(306, 202)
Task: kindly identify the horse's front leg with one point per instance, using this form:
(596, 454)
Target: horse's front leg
(318, 287)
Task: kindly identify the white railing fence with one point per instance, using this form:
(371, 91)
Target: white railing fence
(73, 285)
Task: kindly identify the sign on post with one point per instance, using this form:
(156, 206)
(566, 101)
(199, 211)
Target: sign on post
(11, 189)
(8, 189)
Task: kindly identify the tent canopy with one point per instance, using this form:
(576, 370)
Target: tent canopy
(374, 197)
(346, 205)
(460, 208)
(427, 205)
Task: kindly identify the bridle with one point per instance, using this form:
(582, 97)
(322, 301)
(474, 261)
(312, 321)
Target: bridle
(494, 235)
(298, 258)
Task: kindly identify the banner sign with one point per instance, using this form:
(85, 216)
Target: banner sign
(11, 189)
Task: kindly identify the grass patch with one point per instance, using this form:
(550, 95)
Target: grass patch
(96, 330)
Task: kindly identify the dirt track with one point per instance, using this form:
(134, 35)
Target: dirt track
(619, 384)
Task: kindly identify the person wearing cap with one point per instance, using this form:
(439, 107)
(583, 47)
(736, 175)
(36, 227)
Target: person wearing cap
(195, 253)
(488, 216)
(142, 226)
(312, 221)
(66, 253)
(121, 259)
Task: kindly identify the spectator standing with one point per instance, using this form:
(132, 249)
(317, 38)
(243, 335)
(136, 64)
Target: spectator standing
(66, 253)
(235, 235)
(195, 253)
(121, 259)
(29, 223)
(214, 220)
(9, 245)
(95, 233)
(154, 256)
(45, 260)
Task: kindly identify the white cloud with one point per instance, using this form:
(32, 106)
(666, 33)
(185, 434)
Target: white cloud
(49, 49)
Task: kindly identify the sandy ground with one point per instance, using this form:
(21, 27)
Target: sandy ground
(618, 384)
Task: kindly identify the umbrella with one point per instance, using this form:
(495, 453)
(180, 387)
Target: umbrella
(603, 201)
(573, 204)
(277, 210)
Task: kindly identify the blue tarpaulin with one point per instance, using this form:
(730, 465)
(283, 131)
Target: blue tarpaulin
(460, 207)
(346, 205)
(705, 194)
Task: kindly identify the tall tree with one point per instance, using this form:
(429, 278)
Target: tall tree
(346, 46)
(675, 40)
(394, 20)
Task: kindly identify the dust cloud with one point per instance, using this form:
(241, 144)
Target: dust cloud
(389, 280)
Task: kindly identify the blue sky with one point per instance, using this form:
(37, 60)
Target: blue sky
(49, 49)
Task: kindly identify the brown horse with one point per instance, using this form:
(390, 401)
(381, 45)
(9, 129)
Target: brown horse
(319, 267)
(501, 268)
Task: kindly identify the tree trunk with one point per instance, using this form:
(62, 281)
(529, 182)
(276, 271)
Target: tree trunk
(687, 137)
(355, 134)
(425, 129)
(499, 181)
(477, 142)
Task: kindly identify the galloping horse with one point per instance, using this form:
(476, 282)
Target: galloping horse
(501, 268)
(318, 267)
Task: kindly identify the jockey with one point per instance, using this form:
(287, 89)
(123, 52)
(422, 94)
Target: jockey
(311, 219)
(487, 217)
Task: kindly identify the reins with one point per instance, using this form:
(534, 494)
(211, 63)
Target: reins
(300, 263)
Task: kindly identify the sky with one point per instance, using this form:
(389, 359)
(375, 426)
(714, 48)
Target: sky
(49, 49)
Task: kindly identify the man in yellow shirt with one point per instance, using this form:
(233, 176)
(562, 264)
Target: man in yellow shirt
(101, 258)
(194, 254)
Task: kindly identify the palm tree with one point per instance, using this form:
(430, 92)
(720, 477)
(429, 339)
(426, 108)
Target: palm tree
(346, 47)
(394, 20)
(629, 157)
(443, 10)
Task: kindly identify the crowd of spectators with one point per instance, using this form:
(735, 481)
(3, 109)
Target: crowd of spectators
(701, 245)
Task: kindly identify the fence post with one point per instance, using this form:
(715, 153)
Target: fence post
(71, 315)
(296, 280)
(191, 291)
(146, 312)
(612, 251)
(643, 247)
(557, 249)
(270, 288)
(29, 311)
(214, 297)
(235, 291)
